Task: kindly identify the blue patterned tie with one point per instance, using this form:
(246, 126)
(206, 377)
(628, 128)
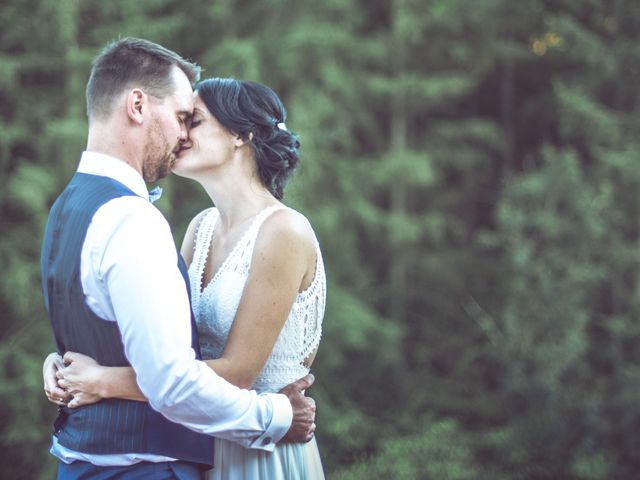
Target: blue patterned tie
(154, 194)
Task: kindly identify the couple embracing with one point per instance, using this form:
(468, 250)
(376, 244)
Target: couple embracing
(164, 349)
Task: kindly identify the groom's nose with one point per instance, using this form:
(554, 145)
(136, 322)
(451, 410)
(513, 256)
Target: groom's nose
(184, 134)
(185, 142)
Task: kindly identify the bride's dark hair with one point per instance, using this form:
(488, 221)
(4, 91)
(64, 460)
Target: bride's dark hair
(246, 108)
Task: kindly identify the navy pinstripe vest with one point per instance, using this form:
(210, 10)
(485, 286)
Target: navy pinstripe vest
(112, 425)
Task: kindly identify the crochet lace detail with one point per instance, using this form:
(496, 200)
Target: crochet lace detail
(216, 303)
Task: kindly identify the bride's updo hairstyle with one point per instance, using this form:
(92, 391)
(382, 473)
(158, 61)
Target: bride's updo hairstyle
(246, 108)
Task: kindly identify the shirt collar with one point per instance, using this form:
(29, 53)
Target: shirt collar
(94, 163)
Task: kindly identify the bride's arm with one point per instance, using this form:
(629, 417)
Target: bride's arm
(283, 261)
(89, 382)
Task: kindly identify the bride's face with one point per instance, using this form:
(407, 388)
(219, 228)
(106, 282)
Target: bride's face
(210, 144)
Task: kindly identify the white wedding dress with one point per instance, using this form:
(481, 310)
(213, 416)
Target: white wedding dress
(215, 306)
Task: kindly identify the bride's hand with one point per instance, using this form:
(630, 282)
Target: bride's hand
(81, 379)
(54, 393)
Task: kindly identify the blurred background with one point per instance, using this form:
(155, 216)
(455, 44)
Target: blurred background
(471, 170)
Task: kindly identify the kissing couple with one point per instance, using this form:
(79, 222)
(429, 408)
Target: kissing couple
(171, 362)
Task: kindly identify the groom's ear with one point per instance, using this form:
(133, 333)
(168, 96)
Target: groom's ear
(135, 103)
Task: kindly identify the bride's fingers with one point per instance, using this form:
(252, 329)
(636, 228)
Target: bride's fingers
(59, 362)
(54, 390)
(58, 398)
(57, 392)
(80, 399)
(68, 357)
(64, 376)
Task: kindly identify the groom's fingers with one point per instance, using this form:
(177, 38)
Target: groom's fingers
(312, 403)
(303, 383)
(304, 410)
(311, 432)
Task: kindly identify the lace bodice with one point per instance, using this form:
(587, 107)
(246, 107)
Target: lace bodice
(216, 303)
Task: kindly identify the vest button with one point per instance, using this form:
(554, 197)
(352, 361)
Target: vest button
(266, 441)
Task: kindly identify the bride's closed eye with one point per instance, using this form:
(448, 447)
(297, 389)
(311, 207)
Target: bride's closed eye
(195, 123)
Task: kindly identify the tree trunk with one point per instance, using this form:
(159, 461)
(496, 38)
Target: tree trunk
(398, 147)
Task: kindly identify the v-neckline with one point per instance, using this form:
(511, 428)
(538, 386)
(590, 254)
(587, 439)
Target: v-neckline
(231, 253)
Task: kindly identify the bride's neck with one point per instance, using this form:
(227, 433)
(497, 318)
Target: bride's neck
(237, 200)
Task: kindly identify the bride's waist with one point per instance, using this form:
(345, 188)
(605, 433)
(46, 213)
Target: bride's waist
(275, 377)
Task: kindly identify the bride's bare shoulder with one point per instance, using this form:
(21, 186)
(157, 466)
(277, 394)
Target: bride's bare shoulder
(287, 228)
(292, 221)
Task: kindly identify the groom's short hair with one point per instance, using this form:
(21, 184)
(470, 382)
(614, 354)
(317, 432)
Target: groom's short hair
(133, 62)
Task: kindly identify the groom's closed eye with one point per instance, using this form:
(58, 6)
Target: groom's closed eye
(184, 117)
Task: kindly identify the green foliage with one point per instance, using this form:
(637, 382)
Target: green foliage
(471, 171)
(441, 451)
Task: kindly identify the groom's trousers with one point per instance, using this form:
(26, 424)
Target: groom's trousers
(140, 471)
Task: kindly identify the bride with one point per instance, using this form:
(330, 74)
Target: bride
(255, 267)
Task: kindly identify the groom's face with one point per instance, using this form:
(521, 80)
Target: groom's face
(168, 128)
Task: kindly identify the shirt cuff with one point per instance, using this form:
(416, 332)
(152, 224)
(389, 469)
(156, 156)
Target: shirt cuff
(281, 418)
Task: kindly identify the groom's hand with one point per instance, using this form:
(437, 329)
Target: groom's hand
(304, 411)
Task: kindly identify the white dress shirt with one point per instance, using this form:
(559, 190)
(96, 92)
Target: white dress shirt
(130, 275)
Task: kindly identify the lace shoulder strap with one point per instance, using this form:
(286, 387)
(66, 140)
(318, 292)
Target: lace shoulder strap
(245, 250)
(201, 246)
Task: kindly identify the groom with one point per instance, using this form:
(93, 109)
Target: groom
(117, 290)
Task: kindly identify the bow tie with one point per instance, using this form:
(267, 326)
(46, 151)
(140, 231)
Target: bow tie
(154, 194)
